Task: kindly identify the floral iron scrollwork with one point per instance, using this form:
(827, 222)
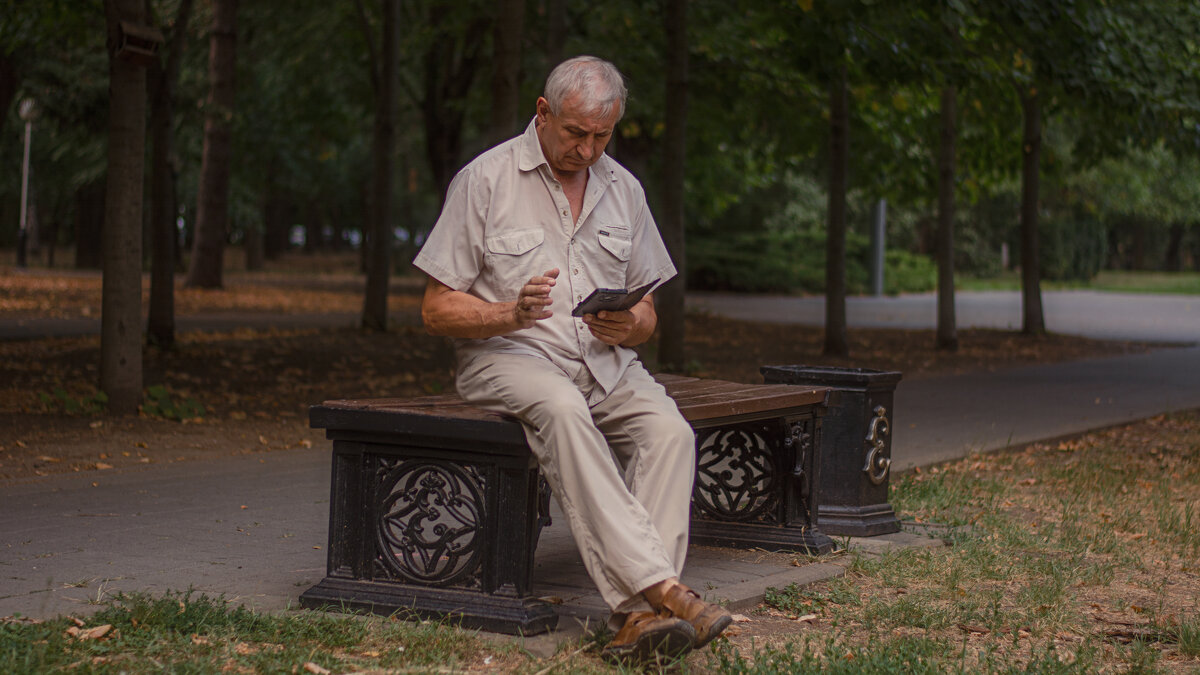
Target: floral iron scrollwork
(878, 463)
(429, 516)
(735, 473)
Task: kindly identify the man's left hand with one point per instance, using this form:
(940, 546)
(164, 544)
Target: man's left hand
(611, 328)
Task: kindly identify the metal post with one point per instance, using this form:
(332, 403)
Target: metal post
(878, 227)
(27, 111)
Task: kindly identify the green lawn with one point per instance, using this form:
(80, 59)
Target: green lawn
(1183, 283)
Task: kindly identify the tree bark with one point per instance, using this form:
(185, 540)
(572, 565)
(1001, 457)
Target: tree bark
(379, 260)
(254, 244)
(121, 293)
(89, 225)
(670, 305)
(10, 81)
(556, 40)
(836, 339)
(947, 329)
(1173, 261)
(506, 70)
(1031, 152)
(212, 200)
(161, 322)
(450, 67)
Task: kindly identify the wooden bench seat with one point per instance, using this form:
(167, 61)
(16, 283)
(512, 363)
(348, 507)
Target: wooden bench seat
(436, 505)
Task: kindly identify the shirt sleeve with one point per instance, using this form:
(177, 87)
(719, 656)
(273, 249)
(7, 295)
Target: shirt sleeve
(453, 251)
(650, 259)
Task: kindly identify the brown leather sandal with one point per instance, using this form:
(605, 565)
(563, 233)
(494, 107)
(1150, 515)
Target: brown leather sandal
(650, 637)
(708, 619)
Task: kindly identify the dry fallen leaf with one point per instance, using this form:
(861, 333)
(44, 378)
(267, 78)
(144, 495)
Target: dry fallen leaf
(741, 618)
(89, 633)
(315, 669)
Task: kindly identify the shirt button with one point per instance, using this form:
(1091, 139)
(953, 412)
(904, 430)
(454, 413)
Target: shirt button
(576, 272)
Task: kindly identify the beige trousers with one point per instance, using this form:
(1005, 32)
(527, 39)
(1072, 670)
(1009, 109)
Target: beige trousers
(621, 466)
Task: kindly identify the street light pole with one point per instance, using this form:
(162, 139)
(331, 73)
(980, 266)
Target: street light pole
(28, 111)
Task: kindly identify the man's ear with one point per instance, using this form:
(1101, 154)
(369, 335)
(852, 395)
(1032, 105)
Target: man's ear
(543, 109)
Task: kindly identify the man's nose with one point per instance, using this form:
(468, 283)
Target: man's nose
(585, 149)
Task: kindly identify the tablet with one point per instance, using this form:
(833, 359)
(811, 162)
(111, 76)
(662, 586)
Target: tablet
(611, 299)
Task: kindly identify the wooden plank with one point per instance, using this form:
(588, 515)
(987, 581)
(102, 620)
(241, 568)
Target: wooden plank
(698, 399)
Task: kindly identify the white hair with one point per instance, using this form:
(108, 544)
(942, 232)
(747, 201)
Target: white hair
(596, 82)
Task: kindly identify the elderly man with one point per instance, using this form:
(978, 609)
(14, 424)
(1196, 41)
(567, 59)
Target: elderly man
(529, 229)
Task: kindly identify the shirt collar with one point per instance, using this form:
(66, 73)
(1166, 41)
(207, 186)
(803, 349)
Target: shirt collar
(530, 155)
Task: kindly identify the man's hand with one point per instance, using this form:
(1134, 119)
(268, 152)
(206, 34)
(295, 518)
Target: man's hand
(628, 328)
(611, 328)
(534, 298)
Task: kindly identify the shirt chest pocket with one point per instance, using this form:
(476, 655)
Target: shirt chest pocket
(513, 257)
(615, 249)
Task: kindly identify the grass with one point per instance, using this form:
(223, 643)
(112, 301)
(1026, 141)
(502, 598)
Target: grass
(187, 633)
(1113, 281)
(1076, 556)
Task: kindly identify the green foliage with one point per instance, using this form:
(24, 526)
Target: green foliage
(1072, 250)
(88, 404)
(783, 262)
(1187, 636)
(159, 402)
(803, 599)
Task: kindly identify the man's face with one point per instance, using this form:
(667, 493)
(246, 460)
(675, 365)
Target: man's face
(573, 140)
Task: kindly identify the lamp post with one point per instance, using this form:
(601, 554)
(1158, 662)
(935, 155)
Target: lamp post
(28, 111)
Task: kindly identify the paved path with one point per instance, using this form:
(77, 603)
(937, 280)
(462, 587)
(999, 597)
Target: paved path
(1108, 316)
(253, 528)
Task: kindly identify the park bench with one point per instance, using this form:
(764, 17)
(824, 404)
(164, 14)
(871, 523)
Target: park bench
(436, 506)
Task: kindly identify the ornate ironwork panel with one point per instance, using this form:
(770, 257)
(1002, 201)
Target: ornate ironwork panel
(737, 472)
(428, 521)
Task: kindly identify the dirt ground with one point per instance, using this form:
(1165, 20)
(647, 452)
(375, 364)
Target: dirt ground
(256, 385)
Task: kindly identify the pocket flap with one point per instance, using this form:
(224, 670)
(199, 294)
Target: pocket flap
(615, 244)
(515, 243)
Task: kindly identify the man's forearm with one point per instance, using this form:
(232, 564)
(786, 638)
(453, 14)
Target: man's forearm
(452, 313)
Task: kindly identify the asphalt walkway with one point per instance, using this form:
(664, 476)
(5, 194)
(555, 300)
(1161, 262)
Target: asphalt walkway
(254, 528)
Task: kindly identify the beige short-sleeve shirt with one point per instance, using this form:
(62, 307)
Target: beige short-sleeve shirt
(506, 219)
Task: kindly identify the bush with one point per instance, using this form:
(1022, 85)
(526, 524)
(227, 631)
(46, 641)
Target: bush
(789, 261)
(1071, 249)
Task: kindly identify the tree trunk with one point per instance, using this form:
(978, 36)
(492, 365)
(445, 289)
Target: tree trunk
(1034, 322)
(947, 330)
(506, 70)
(254, 244)
(121, 294)
(379, 261)
(671, 316)
(277, 220)
(1173, 260)
(161, 323)
(836, 340)
(450, 67)
(89, 225)
(212, 193)
(10, 81)
(556, 40)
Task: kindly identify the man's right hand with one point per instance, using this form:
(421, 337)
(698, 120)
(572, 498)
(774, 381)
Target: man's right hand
(534, 298)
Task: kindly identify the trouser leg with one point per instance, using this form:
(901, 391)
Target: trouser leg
(657, 449)
(620, 547)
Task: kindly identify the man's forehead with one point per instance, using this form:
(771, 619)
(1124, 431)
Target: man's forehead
(574, 114)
